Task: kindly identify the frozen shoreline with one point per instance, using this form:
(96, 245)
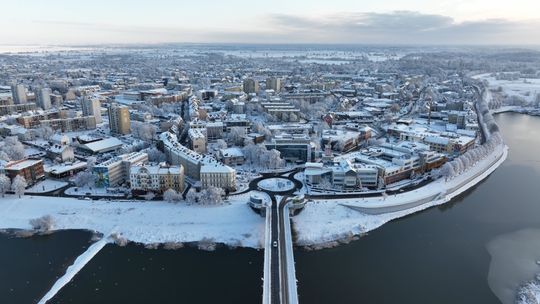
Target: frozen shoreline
(148, 223)
(323, 223)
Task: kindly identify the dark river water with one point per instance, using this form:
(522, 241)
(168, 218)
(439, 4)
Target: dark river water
(461, 252)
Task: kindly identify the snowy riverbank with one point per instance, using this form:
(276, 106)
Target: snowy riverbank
(152, 222)
(325, 222)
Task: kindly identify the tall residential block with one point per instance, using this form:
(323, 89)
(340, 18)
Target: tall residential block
(92, 107)
(19, 93)
(43, 98)
(119, 121)
(250, 86)
(273, 83)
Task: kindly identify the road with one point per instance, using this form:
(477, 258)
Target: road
(274, 263)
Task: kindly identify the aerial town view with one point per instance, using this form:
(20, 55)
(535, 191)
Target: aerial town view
(377, 154)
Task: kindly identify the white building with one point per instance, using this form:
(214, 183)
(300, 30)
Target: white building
(343, 175)
(115, 171)
(61, 152)
(218, 175)
(156, 178)
(232, 156)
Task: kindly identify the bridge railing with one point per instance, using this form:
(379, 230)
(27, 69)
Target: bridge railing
(267, 291)
(289, 255)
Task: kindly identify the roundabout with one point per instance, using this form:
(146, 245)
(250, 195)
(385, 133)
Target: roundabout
(276, 185)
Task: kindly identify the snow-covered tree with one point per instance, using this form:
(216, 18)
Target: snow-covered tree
(13, 148)
(45, 132)
(237, 134)
(274, 160)
(4, 156)
(154, 155)
(84, 178)
(325, 184)
(456, 166)
(192, 196)
(43, 224)
(171, 196)
(144, 131)
(149, 196)
(260, 128)
(394, 108)
(19, 185)
(221, 144)
(293, 117)
(211, 196)
(90, 163)
(447, 171)
(5, 184)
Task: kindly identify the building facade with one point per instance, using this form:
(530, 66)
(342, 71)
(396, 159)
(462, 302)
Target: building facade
(115, 171)
(156, 178)
(119, 121)
(19, 93)
(92, 107)
(30, 169)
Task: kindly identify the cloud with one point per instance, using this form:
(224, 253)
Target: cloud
(398, 27)
(403, 27)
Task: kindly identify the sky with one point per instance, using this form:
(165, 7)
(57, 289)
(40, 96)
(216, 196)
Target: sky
(446, 22)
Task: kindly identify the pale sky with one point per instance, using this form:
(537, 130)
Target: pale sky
(272, 21)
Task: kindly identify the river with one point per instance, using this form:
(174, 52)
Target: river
(475, 249)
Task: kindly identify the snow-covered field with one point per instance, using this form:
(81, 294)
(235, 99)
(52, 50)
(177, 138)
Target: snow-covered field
(327, 221)
(144, 222)
(47, 185)
(525, 88)
(93, 191)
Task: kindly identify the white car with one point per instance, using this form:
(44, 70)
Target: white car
(274, 244)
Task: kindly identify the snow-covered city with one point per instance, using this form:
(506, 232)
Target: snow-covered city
(286, 153)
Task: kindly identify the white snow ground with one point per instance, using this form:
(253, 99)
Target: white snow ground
(94, 191)
(47, 185)
(276, 184)
(143, 222)
(525, 88)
